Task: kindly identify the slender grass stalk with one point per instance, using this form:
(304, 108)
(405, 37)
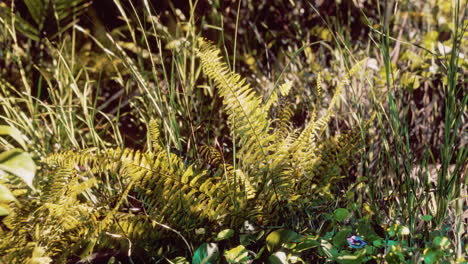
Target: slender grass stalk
(450, 183)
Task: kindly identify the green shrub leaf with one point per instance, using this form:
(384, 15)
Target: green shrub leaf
(276, 238)
(442, 242)
(431, 256)
(307, 244)
(278, 258)
(207, 253)
(426, 218)
(339, 240)
(238, 254)
(14, 133)
(225, 234)
(341, 214)
(4, 211)
(18, 163)
(5, 194)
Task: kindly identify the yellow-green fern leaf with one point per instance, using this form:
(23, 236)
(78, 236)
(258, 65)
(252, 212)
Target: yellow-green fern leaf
(154, 136)
(306, 146)
(247, 117)
(283, 91)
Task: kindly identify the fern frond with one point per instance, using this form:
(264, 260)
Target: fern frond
(238, 184)
(307, 141)
(247, 118)
(333, 158)
(154, 136)
(283, 122)
(56, 221)
(64, 13)
(283, 91)
(165, 186)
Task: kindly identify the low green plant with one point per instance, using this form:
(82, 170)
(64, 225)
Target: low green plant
(94, 199)
(14, 162)
(349, 241)
(278, 167)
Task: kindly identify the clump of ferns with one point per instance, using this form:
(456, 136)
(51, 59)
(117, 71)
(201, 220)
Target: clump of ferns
(95, 199)
(54, 218)
(85, 205)
(278, 164)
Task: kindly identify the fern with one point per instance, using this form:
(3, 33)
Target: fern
(280, 162)
(111, 198)
(54, 221)
(283, 122)
(237, 183)
(247, 119)
(63, 12)
(154, 136)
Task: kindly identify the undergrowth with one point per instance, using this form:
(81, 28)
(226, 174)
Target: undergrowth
(216, 132)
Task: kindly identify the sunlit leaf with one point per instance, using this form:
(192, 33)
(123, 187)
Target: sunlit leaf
(327, 248)
(4, 211)
(285, 88)
(278, 258)
(13, 133)
(238, 254)
(404, 231)
(348, 258)
(442, 242)
(5, 194)
(207, 253)
(225, 234)
(178, 260)
(276, 238)
(18, 163)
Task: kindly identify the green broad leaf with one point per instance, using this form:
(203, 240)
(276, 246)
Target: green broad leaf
(403, 231)
(432, 256)
(225, 234)
(18, 163)
(341, 214)
(246, 239)
(392, 244)
(276, 238)
(278, 258)
(238, 254)
(5, 194)
(378, 243)
(371, 231)
(426, 218)
(398, 229)
(442, 242)
(13, 133)
(207, 253)
(328, 235)
(4, 211)
(339, 240)
(307, 244)
(328, 248)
